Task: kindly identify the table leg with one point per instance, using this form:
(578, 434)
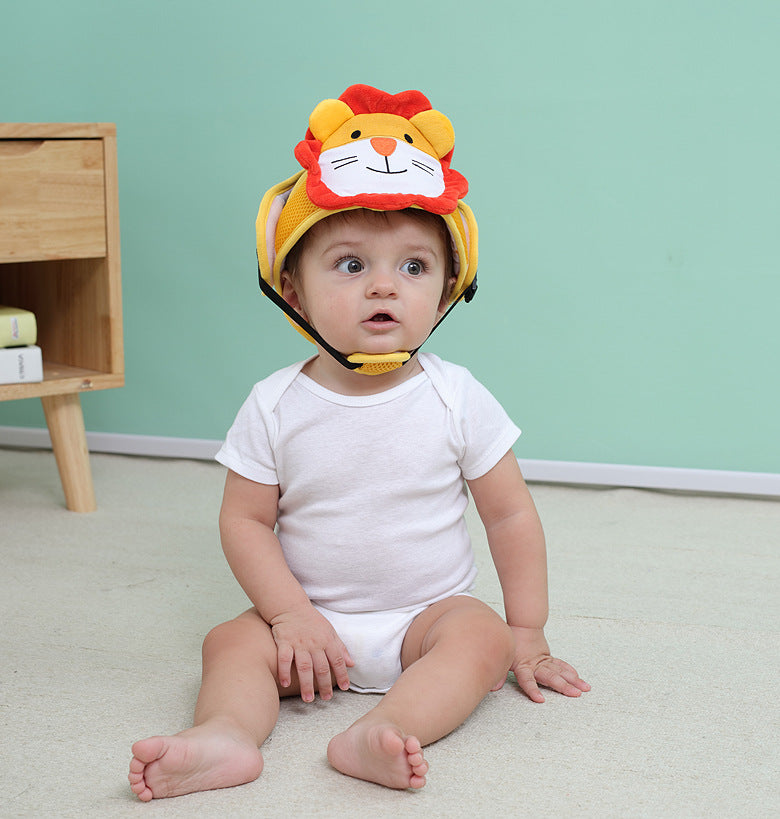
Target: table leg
(69, 441)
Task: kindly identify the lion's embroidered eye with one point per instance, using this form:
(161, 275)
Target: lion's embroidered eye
(408, 139)
(355, 134)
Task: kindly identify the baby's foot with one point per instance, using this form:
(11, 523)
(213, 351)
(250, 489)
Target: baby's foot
(381, 754)
(199, 759)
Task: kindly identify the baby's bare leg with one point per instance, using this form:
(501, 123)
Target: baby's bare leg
(454, 653)
(236, 710)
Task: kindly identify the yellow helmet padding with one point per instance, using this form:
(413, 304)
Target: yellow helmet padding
(286, 213)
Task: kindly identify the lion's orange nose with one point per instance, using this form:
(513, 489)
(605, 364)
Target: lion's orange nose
(384, 146)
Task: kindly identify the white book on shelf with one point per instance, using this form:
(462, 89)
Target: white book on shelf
(21, 365)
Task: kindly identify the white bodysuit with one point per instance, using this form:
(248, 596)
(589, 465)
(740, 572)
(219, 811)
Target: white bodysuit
(372, 495)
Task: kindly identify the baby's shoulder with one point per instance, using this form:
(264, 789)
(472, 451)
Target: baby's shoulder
(269, 391)
(436, 366)
(453, 382)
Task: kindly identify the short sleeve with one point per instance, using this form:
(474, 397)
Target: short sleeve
(249, 445)
(484, 431)
(488, 432)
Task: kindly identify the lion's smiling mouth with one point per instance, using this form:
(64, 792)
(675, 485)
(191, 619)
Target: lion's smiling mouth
(386, 169)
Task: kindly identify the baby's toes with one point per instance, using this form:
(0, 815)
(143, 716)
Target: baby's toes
(412, 745)
(416, 760)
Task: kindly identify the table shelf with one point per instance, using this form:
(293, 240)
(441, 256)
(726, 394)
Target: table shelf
(59, 258)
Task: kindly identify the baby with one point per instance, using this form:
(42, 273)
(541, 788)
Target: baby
(342, 516)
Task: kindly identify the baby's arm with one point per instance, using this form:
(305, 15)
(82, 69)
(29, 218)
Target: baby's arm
(303, 636)
(517, 545)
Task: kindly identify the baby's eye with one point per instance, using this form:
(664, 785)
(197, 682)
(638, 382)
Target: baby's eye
(350, 265)
(413, 268)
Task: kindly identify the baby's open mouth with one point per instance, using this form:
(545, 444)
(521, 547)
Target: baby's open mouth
(382, 317)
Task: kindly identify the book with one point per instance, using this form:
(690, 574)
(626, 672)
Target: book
(21, 365)
(18, 327)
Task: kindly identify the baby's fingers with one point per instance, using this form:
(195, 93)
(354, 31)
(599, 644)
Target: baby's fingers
(561, 677)
(339, 662)
(527, 682)
(304, 665)
(574, 679)
(321, 670)
(284, 660)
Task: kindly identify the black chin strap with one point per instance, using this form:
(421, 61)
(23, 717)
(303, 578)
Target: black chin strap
(467, 295)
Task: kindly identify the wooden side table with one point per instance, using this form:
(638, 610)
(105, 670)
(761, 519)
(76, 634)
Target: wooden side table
(59, 257)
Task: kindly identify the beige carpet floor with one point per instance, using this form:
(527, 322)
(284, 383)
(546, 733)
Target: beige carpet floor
(666, 603)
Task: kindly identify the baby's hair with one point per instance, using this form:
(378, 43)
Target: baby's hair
(436, 223)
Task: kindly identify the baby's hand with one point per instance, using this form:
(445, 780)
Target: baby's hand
(305, 637)
(533, 666)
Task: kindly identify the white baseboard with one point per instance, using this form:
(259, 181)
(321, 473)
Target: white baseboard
(156, 446)
(572, 472)
(652, 477)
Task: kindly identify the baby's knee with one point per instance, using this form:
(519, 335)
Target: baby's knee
(499, 644)
(493, 647)
(237, 635)
(219, 637)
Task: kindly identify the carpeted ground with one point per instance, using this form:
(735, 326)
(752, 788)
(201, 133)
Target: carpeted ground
(666, 603)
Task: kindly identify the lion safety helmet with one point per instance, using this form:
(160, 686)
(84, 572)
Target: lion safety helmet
(367, 149)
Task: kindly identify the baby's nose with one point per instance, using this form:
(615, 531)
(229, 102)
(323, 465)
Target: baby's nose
(381, 283)
(384, 146)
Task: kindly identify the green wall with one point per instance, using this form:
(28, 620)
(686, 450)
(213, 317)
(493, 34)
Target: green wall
(624, 161)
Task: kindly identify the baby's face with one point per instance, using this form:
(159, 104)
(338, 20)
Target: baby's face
(371, 283)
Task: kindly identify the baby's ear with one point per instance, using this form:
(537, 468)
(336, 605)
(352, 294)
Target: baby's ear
(447, 295)
(289, 293)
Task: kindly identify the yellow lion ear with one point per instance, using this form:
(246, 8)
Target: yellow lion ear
(437, 129)
(327, 117)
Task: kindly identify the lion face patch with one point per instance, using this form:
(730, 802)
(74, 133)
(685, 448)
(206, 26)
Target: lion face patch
(380, 165)
(383, 151)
